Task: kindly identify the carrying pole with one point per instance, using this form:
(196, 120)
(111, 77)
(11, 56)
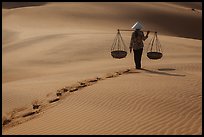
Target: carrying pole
(134, 30)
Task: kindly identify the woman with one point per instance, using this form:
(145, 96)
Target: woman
(137, 44)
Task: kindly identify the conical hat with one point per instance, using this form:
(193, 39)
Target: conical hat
(137, 25)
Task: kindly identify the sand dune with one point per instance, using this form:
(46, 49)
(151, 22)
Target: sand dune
(109, 107)
(11, 5)
(173, 20)
(195, 5)
(59, 58)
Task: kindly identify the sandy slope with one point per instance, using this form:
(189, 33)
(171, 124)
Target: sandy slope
(64, 43)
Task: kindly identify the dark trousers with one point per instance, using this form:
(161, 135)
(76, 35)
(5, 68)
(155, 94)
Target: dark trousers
(137, 57)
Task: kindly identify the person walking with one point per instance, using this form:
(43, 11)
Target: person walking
(136, 43)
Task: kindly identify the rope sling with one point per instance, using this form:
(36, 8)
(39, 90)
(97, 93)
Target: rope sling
(118, 49)
(154, 50)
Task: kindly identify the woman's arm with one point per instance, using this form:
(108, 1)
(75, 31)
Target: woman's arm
(145, 37)
(131, 42)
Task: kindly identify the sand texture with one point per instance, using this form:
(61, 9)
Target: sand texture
(59, 76)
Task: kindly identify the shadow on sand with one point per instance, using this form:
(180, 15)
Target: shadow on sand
(166, 69)
(11, 5)
(163, 73)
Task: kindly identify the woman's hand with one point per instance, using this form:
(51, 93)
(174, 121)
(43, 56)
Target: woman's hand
(130, 49)
(147, 34)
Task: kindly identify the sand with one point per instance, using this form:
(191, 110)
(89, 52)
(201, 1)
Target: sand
(66, 46)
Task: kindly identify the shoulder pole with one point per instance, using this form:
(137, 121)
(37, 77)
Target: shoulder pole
(134, 30)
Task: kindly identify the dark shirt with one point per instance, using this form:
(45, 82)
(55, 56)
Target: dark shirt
(137, 40)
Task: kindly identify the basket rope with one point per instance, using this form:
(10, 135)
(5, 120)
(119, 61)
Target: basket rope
(118, 43)
(154, 50)
(154, 44)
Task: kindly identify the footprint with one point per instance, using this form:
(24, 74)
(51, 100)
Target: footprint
(119, 73)
(59, 93)
(126, 71)
(82, 84)
(73, 89)
(65, 89)
(112, 75)
(5, 121)
(54, 100)
(116, 74)
(93, 80)
(29, 113)
(12, 114)
(109, 76)
(98, 78)
(36, 104)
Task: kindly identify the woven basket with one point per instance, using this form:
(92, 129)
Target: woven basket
(154, 55)
(119, 54)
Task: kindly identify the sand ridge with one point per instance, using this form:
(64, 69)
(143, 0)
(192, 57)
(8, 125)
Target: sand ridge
(174, 114)
(12, 118)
